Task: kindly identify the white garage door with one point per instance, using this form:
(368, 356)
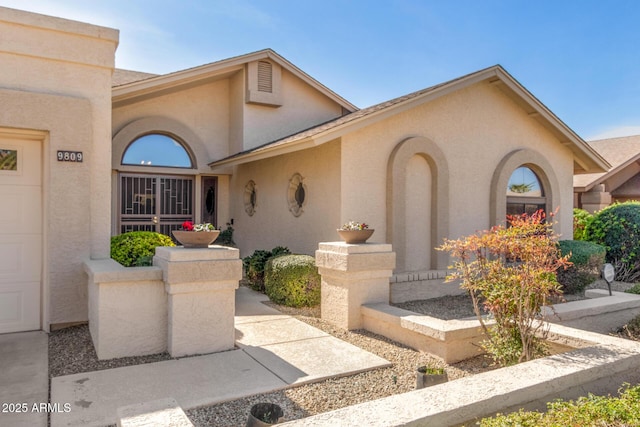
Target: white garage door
(20, 233)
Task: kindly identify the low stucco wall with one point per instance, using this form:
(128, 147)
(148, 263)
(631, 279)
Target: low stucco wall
(127, 309)
(414, 286)
(600, 313)
(600, 368)
(456, 340)
(183, 304)
(451, 340)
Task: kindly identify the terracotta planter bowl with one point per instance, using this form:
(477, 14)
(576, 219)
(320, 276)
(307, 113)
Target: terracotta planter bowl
(355, 236)
(195, 239)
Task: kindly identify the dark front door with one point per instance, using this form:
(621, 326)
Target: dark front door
(209, 196)
(158, 203)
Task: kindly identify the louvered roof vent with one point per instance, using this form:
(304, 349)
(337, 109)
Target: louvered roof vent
(265, 76)
(264, 81)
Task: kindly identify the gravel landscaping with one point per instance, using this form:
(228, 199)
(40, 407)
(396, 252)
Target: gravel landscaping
(335, 393)
(461, 306)
(71, 351)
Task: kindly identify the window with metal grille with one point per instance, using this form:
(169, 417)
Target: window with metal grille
(158, 203)
(265, 77)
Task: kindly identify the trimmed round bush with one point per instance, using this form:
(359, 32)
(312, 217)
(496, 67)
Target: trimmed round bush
(255, 263)
(587, 259)
(137, 248)
(580, 220)
(292, 280)
(617, 228)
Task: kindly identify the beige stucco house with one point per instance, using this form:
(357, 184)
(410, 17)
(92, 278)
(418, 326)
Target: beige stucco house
(620, 183)
(253, 141)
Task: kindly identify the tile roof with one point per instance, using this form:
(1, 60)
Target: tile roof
(128, 81)
(617, 151)
(348, 118)
(122, 77)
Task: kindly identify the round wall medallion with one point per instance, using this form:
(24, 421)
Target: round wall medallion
(250, 198)
(296, 194)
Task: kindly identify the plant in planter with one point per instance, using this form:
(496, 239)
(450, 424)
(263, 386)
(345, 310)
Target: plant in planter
(430, 375)
(136, 248)
(196, 235)
(355, 232)
(263, 414)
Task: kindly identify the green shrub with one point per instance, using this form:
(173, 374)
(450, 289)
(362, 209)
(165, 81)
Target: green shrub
(580, 220)
(587, 259)
(137, 247)
(254, 265)
(634, 290)
(617, 228)
(510, 272)
(292, 280)
(226, 237)
(590, 411)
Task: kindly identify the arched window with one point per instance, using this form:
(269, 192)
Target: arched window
(157, 150)
(525, 193)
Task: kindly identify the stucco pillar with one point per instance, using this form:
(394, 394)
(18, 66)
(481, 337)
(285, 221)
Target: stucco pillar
(596, 199)
(353, 275)
(201, 285)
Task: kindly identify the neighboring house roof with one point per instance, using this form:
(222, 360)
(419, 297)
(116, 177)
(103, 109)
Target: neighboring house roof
(586, 159)
(140, 89)
(619, 152)
(122, 77)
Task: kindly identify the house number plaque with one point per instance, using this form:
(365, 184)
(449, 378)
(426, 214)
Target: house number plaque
(70, 156)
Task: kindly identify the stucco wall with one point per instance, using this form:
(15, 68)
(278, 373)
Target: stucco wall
(236, 113)
(204, 109)
(475, 128)
(60, 71)
(273, 224)
(302, 107)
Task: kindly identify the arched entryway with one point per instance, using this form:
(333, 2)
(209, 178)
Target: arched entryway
(417, 214)
(417, 204)
(157, 181)
(155, 202)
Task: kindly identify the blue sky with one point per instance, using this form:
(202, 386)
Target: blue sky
(581, 58)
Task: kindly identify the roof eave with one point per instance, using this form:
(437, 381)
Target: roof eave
(588, 159)
(585, 157)
(146, 87)
(608, 174)
(265, 153)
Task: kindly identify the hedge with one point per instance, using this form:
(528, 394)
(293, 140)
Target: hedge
(292, 280)
(137, 248)
(589, 411)
(587, 259)
(581, 219)
(617, 228)
(254, 265)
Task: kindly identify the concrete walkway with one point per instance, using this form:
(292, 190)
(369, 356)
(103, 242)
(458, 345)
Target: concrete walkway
(274, 352)
(24, 382)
